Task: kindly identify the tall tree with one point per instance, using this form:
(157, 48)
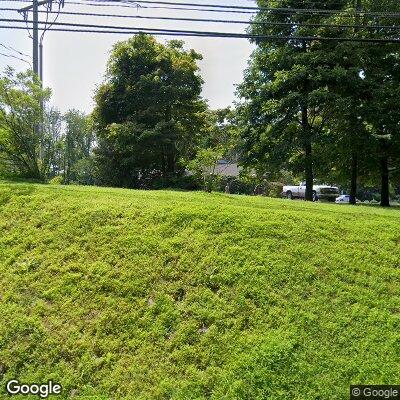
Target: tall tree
(148, 112)
(78, 142)
(349, 88)
(373, 97)
(285, 88)
(51, 143)
(345, 141)
(26, 150)
(383, 117)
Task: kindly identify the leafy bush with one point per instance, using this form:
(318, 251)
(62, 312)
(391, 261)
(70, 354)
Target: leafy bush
(57, 180)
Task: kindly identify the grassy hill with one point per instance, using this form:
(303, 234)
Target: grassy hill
(120, 294)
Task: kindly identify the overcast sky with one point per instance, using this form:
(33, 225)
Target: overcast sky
(74, 63)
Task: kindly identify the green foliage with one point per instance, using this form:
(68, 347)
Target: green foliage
(204, 167)
(168, 295)
(57, 180)
(83, 171)
(219, 141)
(24, 150)
(308, 106)
(149, 113)
(78, 165)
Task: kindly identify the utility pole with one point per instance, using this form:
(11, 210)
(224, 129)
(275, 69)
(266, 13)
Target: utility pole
(41, 62)
(35, 31)
(37, 50)
(35, 37)
(38, 44)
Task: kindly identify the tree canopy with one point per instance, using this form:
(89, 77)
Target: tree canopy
(317, 105)
(149, 112)
(24, 148)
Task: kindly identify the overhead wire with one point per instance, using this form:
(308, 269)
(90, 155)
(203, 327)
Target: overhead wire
(283, 10)
(130, 5)
(10, 48)
(92, 28)
(228, 7)
(15, 57)
(219, 21)
(112, 28)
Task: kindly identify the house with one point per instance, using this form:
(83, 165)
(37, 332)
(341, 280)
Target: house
(226, 168)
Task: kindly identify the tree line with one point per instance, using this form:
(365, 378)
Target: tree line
(306, 108)
(39, 142)
(325, 108)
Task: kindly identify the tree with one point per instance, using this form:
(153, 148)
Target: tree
(51, 146)
(79, 141)
(383, 118)
(24, 148)
(218, 141)
(372, 100)
(314, 104)
(204, 166)
(343, 146)
(148, 113)
(285, 91)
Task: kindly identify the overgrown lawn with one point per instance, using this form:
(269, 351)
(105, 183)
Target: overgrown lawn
(120, 294)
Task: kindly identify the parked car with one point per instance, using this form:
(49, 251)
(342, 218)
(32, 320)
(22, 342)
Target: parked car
(320, 192)
(345, 199)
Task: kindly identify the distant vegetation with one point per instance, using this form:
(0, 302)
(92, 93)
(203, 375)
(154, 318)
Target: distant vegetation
(306, 110)
(166, 295)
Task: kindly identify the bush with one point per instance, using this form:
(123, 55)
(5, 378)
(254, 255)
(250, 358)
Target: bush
(274, 189)
(251, 187)
(236, 186)
(187, 182)
(57, 180)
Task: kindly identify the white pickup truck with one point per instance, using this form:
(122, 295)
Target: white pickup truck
(320, 192)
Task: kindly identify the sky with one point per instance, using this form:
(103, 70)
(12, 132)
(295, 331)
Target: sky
(74, 63)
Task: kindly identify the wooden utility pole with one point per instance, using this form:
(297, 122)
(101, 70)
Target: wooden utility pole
(37, 55)
(35, 36)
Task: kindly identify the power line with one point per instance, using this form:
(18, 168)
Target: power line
(229, 11)
(218, 6)
(15, 57)
(227, 7)
(172, 3)
(220, 21)
(283, 10)
(10, 48)
(170, 32)
(130, 6)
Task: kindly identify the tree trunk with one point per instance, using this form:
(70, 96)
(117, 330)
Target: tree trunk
(354, 155)
(385, 195)
(170, 163)
(308, 162)
(65, 172)
(309, 172)
(354, 175)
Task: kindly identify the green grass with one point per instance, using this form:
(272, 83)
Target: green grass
(120, 294)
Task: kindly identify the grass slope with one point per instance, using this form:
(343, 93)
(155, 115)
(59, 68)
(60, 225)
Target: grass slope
(120, 294)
